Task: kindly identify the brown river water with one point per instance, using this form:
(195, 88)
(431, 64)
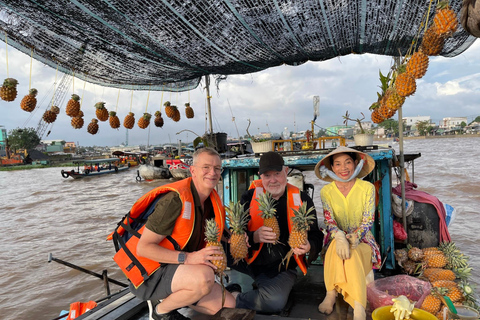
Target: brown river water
(44, 213)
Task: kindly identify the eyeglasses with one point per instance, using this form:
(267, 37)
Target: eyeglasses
(207, 169)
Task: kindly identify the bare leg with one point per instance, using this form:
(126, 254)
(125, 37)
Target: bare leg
(369, 278)
(359, 312)
(327, 304)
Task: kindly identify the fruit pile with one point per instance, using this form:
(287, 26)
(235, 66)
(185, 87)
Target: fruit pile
(447, 270)
(400, 82)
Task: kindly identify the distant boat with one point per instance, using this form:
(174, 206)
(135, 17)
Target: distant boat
(180, 168)
(155, 168)
(95, 167)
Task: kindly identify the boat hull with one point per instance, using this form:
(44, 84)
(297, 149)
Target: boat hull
(84, 174)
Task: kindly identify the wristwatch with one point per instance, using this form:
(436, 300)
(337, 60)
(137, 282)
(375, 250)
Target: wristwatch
(181, 258)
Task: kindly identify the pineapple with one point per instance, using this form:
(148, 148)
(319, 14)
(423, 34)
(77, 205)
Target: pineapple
(432, 302)
(93, 126)
(158, 119)
(432, 44)
(410, 267)
(266, 202)
(455, 294)
(436, 261)
(444, 284)
(169, 110)
(237, 218)
(73, 106)
(385, 112)
(113, 120)
(394, 100)
(144, 121)
(376, 117)
(188, 111)
(129, 120)
(405, 84)
(101, 112)
(29, 102)
(57, 110)
(430, 250)
(49, 116)
(456, 259)
(415, 254)
(417, 65)
(442, 274)
(401, 256)
(445, 20)
(77, 122)
(8, 91)
(468, 293)
(301, 224)
(212, 237)
(176, 114)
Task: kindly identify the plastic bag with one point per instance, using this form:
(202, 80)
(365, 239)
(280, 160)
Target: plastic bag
(399, 232)
(381, 292)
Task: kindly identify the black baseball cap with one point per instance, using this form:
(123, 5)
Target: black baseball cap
(270, 161)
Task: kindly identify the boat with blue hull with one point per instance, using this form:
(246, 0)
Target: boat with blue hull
(95, 167)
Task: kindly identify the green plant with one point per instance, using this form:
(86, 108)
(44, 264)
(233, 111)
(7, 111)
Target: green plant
(359, 121)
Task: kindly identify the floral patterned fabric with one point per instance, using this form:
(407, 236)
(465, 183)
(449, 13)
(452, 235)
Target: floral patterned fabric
(354, 213)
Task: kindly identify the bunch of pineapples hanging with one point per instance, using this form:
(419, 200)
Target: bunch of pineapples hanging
(8, 91)
(266, 204)
(401, 83)
(172, 111)
(158, 119)
(237, 217)
(445, 267)
(144, 120)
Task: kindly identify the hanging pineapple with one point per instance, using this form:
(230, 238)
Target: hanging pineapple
(394, 100)
(49, 116)
(237, 218)
(445, 20)
(129, 120)
(93, 126)
(266, 205)
(176, 115)
(212, 236)
(113, 120)
(417, 65)
(57, 109)
(172, 111)
(188, 111)
(384, 111)
(101, 112)
(158, 119)
(376, 117)
(73, 106)
(8, 91)
(301, 224)
(405, 83)
(29, 102)
(77, 122)
(144, 120)
(432, 43)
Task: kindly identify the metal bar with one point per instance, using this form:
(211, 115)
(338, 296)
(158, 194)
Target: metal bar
(68, 264)
(105, 282)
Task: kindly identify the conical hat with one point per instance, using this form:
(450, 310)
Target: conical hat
(326, 161)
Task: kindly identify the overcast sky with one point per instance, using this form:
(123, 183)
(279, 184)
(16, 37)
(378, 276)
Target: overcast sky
(272, 99)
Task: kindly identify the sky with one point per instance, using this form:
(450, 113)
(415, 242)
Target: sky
(272, 99)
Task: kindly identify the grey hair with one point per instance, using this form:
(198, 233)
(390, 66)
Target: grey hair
(208, 150)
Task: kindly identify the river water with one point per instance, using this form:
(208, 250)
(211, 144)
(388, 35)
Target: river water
(45, 213)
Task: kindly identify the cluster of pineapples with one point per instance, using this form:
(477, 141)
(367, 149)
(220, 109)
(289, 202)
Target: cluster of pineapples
(8, 91)
(237, 217)
(144, 120)
(50, 115)
(401, 83)
(447, 270)
(172, 111)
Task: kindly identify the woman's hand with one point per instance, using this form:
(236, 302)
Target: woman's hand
(343, 250)
(353, 239)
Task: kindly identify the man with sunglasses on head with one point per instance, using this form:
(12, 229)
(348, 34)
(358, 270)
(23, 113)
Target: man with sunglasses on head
(174, 237)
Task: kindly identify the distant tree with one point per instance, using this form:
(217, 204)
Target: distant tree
(463, 124)
(321, 133)
(477, 119)
(424, 127)
(26, 138)
(390, 125)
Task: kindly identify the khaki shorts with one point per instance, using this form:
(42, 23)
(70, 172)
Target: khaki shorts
(158, 286)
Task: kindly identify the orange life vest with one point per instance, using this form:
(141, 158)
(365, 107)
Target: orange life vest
(79, 308)
(138, 269)
(256, 221)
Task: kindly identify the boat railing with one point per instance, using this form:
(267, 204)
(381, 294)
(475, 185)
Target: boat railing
(308, 144)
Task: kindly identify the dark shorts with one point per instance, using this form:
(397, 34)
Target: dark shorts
(158, 286)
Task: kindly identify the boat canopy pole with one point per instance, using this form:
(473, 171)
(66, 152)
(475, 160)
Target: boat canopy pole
(209, 107)
(402, 167)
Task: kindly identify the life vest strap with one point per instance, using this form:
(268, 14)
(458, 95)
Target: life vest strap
(135, 262)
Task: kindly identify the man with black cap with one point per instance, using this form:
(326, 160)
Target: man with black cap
(273, 280)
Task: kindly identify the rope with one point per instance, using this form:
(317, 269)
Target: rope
(6, 51)
(148, 97)
(54, 87)
(161, 102)
(118, 97)
(73, 81)
(131, 101)
(83, 92)
(31, 63)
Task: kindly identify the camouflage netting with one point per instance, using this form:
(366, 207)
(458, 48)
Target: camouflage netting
(168, 45)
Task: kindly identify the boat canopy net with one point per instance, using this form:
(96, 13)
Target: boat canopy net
(169, 45)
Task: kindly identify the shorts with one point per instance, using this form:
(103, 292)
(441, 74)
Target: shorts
(158, 286)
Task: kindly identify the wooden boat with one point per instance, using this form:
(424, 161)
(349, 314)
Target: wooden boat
(95, 167)
(156, 167)
(180, 168)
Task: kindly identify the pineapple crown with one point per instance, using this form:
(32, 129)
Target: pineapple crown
(75, 97)
(100, 105)
(33, 92)
(112, 113)
(10, 82)
(94, 120)
(211, 230)
(131, 114)
(187, 104)
(237, 217)
(303, 217)
(147, 116)
(158, 114)
(167, 103)
(265, 204)
(442, 5)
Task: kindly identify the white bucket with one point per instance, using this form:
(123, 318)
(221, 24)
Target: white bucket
(263, 146)
(363, 139)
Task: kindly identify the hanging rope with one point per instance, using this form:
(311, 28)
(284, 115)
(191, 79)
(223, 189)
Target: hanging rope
(161, 102)
(73, 81)
(31, 63)
(55, 86)
(131, 101)
(118, 97)
(6, 51)
(83, 92)
(148, 97)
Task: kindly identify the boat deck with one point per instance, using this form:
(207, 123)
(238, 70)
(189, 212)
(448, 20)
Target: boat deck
(306, 295)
